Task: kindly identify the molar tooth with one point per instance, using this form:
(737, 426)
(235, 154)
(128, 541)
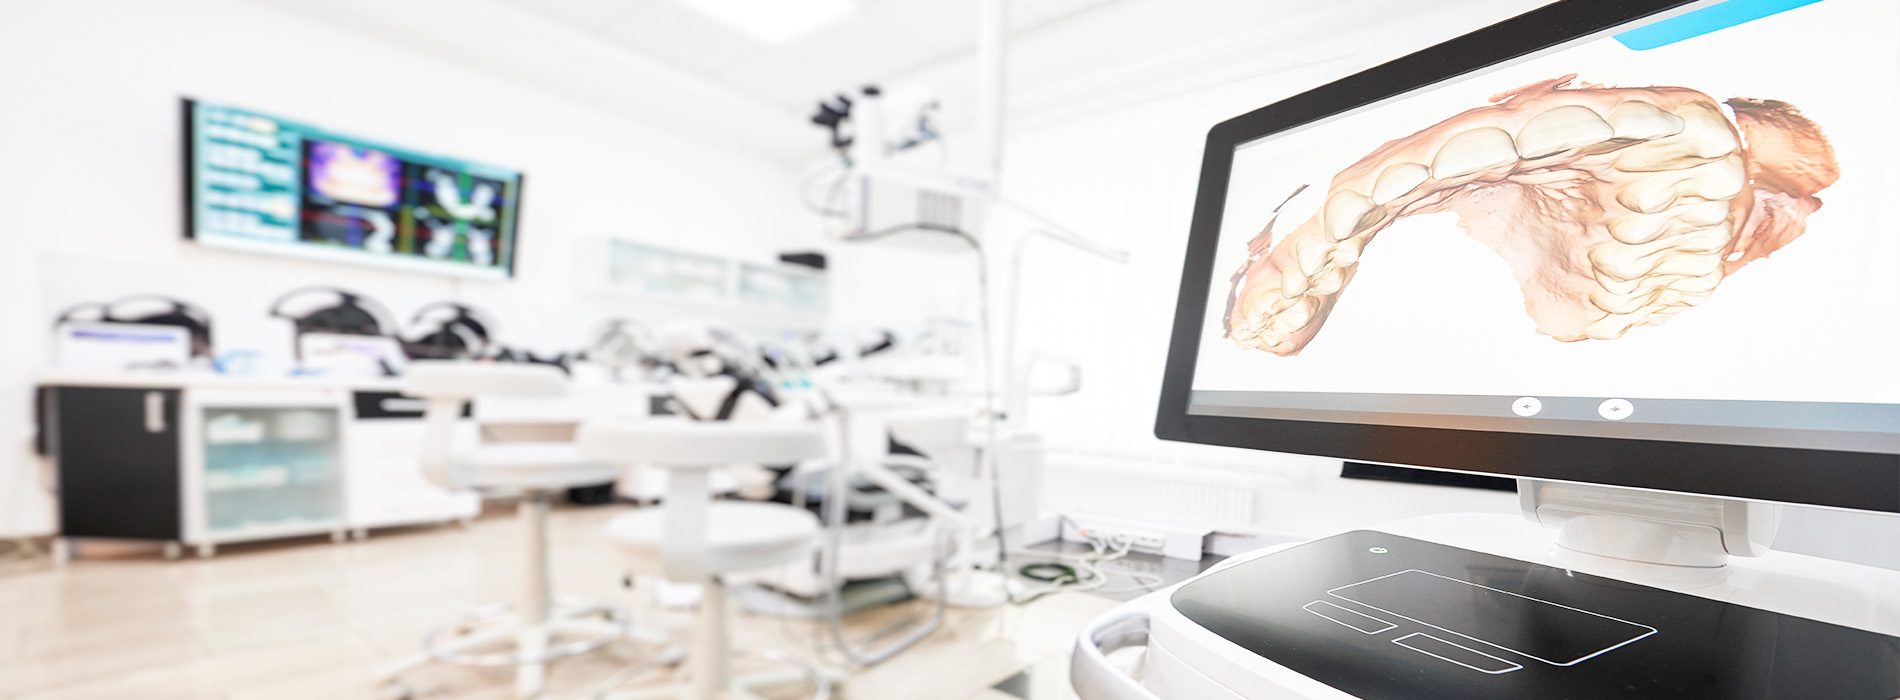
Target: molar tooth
(1260, 298)
(1711, 239)
(1561, 129)
(1311, 254)
(1706, 135)
(1636, 229)
(1615, 285)
(1345, 211)
(1280, 303)
(1718, 181)
(1474, 151)
(1399, 180)
(1651, 195)
(1703, 284)
(1296, 316)
(1642, 121)
(1639, 228)
(1292, 283)
(1622, 303)
(1614, 326)
(1348, 251)
(1715, 181)
(1328, 282)
(1687, 264)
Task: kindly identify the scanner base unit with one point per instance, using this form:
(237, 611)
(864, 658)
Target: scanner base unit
(1399, 613)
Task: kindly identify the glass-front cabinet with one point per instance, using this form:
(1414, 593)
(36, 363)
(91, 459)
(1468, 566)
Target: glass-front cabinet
(263, 465)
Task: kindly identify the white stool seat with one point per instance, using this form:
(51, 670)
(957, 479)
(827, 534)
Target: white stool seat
(678, 443)
(529, 465)
(739, 537)
(455, 378)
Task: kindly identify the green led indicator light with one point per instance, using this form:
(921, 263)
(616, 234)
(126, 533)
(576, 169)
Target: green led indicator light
(1378, 550)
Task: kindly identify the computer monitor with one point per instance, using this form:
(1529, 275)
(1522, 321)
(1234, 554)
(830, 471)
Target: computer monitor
(1627, 243)
(261, 183)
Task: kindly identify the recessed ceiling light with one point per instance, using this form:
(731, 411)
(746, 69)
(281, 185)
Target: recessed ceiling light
(774, 21)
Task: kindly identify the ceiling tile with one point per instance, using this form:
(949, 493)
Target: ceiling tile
(859, 48)
(785, 80)
(1058, 9)
(587, 14)
(670, 32)
(944, 25)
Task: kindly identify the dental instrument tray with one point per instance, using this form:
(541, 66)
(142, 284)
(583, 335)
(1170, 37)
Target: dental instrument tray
(1382, 617)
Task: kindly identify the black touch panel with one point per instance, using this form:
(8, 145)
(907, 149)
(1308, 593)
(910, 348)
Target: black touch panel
(1385, 617)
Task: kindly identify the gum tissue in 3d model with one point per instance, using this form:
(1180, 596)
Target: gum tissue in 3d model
(1616, 207)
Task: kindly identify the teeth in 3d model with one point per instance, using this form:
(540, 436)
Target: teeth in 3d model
(1292, 283)
(1348, 251)
(1562, 129)
(1329, 282)
(1282, 302)
(1399, 180)
(1639, 228)
(1719, 180)
(1296, 316)
(1706, 135)
(1629, 262)
(1474, 151)
(1312, 254)
(1345, 214)
(1642, 121)
(1627, 206)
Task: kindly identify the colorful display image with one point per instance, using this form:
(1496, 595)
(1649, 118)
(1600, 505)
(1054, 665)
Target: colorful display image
(271, 185)
(1615, 207)
(456, 216)
(356, 199)
(352, 196)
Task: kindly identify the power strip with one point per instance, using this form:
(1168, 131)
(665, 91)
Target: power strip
(1172, 541)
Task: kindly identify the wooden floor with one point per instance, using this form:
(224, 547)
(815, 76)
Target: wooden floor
(311, 619)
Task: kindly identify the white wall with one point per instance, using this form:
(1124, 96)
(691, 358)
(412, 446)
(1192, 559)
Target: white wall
(90, 172)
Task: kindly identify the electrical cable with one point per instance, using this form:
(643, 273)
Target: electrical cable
(815, 173)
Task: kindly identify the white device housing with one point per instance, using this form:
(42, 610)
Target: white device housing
(117, 347)
(886, 200)
(1165, 656)
(348, 355)
(1649, 527)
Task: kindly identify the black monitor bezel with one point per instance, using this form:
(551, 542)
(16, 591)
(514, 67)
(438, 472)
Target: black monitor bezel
(188, 160)
(1836, 479)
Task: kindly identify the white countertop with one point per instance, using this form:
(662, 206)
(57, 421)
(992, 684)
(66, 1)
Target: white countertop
(208, 380)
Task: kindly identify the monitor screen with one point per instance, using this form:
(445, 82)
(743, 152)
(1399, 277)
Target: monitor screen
(260, 183)
(1637, 243)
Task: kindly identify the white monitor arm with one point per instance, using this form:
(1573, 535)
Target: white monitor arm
(1649, 527)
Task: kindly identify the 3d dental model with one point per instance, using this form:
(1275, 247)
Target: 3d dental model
(1615, 207)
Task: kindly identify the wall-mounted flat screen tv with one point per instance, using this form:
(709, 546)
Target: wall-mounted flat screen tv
(259, 183)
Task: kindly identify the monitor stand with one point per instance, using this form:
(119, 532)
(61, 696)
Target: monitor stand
(1627, 529)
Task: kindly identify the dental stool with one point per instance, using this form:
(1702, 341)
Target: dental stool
(695, 539)
(535, 472)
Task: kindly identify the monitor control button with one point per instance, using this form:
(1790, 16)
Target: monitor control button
(1615, 409)
(1527, 406)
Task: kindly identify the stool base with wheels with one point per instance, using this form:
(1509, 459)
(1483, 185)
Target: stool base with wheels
(693, 539)
(538, 628)
(526, 635)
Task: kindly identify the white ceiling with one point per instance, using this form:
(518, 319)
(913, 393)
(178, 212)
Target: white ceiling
(882, 39)
(664, 64)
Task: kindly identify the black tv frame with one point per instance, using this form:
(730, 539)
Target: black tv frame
(190, 181)
(1829, 478)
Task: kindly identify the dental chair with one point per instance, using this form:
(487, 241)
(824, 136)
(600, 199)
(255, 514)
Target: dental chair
(693, 538)
(539, 630)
